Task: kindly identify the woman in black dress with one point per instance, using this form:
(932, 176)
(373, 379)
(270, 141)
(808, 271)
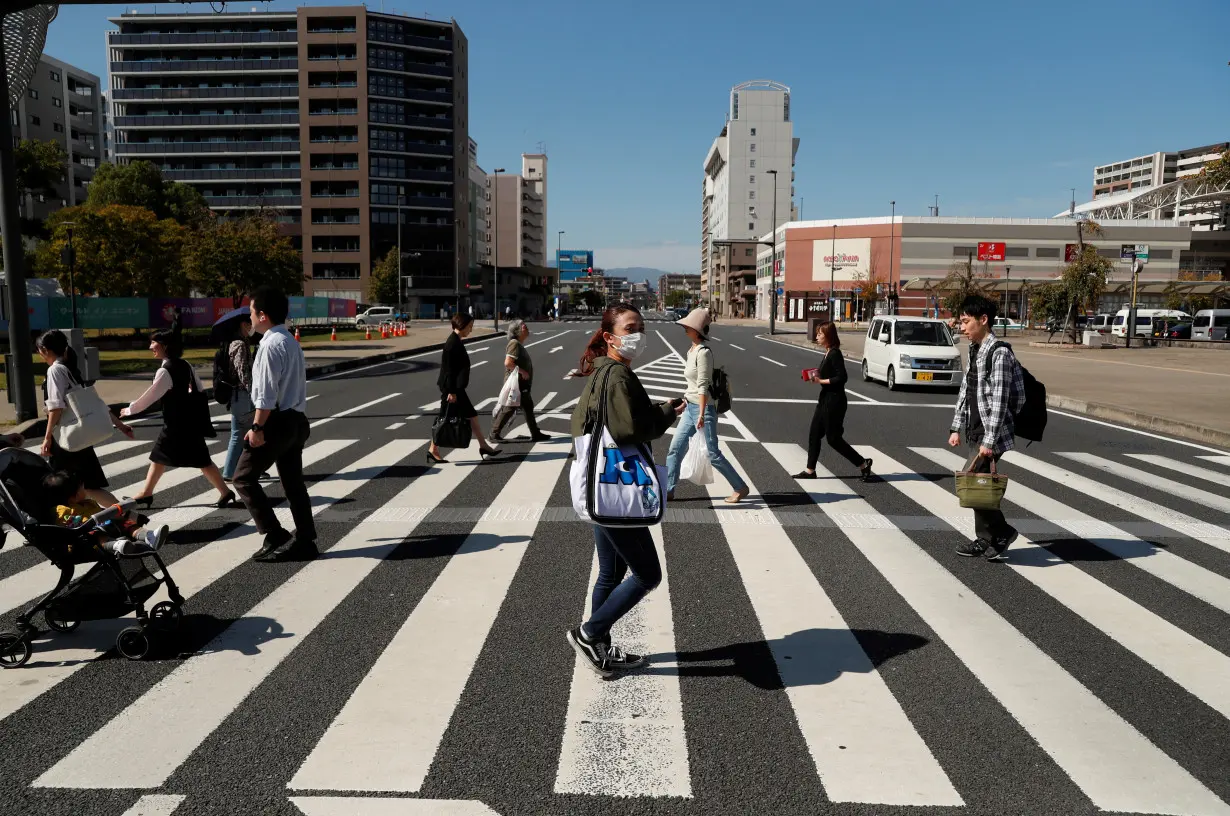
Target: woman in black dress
(182, 441)
(64, 376)
(830, 416)
(454, 377)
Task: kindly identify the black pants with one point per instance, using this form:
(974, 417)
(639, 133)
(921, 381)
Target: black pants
(827, 423)
(504, 414)
(989, 525)
(285, 434)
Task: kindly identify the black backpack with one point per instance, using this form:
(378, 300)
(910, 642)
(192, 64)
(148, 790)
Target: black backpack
(223, 376)
(1030, 421)
(719, 390)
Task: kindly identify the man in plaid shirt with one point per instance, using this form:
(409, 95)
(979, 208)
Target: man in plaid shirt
(991, 392)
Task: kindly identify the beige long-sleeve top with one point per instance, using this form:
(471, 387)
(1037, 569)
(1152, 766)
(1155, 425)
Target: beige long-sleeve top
(698, 371)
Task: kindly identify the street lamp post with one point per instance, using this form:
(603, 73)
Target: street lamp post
(495, 277)
(401, 290)
(833, 275)
(892, 242)
(1007, 294)
(773, 263)
(559, 248)
(71, 256)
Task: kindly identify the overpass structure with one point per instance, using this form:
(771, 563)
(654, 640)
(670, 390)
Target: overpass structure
(1159, 203)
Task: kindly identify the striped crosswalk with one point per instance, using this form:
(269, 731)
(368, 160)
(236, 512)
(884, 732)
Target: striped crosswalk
(1109, 567)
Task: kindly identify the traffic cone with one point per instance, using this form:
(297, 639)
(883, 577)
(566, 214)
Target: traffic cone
(369, 333)
(296, 332)
(333, 335)
(384, 332)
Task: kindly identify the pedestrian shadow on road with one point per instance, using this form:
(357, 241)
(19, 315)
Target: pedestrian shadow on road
(384, 369)
(428, 546)
(245, 635)
(808, 658)
(1074, 548)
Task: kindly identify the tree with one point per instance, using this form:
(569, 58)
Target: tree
(383, 286)
(231, 258)
(122, 251)
(592, 300)
(1049, 301)
(962, 281)
(1218, 170)
(140, 184)
(1084, 278)
(677, 298)
(40, 166)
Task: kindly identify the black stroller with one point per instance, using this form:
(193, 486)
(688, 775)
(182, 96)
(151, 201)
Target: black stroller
(112, 587)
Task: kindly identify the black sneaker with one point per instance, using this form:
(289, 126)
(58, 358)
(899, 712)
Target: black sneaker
(594, 652)
(619, 660)
(973, 549)
(998, 550)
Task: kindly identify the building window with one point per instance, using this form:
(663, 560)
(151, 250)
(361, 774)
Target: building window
(751, 195)
(34, 120)
(1047, 252)
(57, 102)
(751, 226)
(1162, 254)
(752, 147)
(753, 131)
(752, 164)
(55, 76)
(33, 93)
(57, 127)
(963, 251)
(1016, 252)
(748, 252)
(751, 179)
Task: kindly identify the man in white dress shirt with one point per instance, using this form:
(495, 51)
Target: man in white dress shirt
(279, 431)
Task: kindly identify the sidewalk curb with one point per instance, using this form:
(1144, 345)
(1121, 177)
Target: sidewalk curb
(1148, 422)
(37, 427)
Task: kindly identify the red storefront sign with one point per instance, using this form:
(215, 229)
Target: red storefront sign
(991, 251)
(1070, 252)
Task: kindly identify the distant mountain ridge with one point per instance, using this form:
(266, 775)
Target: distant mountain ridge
(637, 273)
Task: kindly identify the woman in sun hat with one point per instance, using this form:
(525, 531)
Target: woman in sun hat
(700, 414)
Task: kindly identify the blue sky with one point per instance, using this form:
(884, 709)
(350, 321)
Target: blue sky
(999, 108)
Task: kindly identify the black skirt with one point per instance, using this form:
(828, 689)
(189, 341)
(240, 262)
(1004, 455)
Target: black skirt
(179, 447)
(462, 408)
(82, 463)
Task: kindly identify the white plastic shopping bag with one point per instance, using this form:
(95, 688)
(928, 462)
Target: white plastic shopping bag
(696, 467)
(510, 394)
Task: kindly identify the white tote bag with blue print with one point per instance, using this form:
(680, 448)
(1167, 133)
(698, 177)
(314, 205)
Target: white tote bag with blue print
(615, 485)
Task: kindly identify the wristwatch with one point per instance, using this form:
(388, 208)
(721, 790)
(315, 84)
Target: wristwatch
(256, 426)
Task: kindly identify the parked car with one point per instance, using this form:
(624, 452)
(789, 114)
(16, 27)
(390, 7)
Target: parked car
(1211, 324)
(911, 351)
(1101, 323)
(376, 315)
(1144, 320)
(1178, 331)
(1002, 323)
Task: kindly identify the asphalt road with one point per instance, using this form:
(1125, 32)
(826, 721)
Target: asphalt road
(817, 649)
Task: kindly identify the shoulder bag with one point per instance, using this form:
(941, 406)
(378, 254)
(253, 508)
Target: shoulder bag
(91, 423)
(615, 485)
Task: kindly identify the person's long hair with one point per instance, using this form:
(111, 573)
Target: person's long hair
(597, 346)
(829, 330)
(56, 342)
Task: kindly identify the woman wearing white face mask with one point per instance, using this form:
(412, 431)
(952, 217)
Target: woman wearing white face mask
(631, 419)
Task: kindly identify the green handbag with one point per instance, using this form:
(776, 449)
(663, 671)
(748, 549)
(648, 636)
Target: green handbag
(980, 491)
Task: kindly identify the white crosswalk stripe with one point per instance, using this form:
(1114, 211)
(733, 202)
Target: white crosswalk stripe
(633, 737)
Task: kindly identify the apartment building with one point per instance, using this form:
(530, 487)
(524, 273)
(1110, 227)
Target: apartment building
(751, 157)
(350, 124)
(480, 229)
(680, 281)
(63, 104)
(1156, 169)
(517, 213)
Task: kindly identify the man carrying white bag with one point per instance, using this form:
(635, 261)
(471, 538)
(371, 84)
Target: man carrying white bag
(616, 484)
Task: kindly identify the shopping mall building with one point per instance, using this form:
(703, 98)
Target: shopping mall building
(916, 254)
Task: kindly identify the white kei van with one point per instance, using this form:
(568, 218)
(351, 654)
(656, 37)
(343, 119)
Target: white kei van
(911, 351)
(1211, 324)
(1144, 321)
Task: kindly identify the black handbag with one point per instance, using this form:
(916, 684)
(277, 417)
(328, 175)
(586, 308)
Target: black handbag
(451, 431)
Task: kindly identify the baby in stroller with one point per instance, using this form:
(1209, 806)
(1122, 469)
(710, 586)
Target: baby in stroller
(120, 535)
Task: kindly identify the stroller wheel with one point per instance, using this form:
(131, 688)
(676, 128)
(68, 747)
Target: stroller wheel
(165, 616)
(133, 643)
(14, 650)
(57, 625)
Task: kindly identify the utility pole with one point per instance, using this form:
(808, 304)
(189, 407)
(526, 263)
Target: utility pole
(892, 244)
(1131, 324)
(70, 258)
(401, 296)
(495, 277)
(1007, 311)
(559, 249)
(833, 276)
(773, 265)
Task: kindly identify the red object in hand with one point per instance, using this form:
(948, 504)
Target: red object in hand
(808, 373)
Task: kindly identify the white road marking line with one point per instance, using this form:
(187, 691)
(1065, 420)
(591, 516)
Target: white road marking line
(1182, 523)
(644, 378)
(541, 405)
(606, 752)
(1214, 476)
(856, 732)
(195, 571)
(869, 403)
(1220, 460)
(377, 742)
(740, 348)
(377, 806)
(227, 670)
(1116, 766)
(395, 426)
(555, 349)
(1164, 565)
(156, 804)
(1120, 427)
(416, 416)
(549, 337)
(1152, 481)
(479, 363)
(774, 362)
(354, 410)
(1190, 663)
(477, 350)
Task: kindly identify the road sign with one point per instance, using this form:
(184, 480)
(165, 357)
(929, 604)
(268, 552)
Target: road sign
(991, 251)
(1127, 253)
(1070, 252)
(1142, 253)
(781, 291)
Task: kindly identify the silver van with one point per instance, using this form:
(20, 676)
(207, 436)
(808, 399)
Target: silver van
(1211, 324)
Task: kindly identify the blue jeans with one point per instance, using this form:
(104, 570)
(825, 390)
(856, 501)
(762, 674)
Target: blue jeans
(242, 414)
(620, 550)
(679, 447)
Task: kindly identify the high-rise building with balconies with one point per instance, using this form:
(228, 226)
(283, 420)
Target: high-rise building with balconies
(517, 214)
(63, 104)
(351, 125)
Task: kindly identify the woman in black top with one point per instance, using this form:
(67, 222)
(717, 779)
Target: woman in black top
(184, 424)
(454, 377)
(830, 415)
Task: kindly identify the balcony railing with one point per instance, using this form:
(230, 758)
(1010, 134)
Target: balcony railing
(352, 193)
(156, 148)
(116, 38)
(255, 174)
(417, 175)
(418, 94)
(431, 122)
(325, 220)
(205, 66)
(414, 202)
(412, 68)
(253, 201)
(415, 148)
(410, 40)
(253, 92)
(207, 120)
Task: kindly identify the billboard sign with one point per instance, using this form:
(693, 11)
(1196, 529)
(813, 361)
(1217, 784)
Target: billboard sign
(1070, 252)
(574, 263)
(847, 255)
(991, 251)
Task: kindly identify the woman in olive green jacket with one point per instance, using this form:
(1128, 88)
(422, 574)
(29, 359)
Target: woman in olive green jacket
(631, 419)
